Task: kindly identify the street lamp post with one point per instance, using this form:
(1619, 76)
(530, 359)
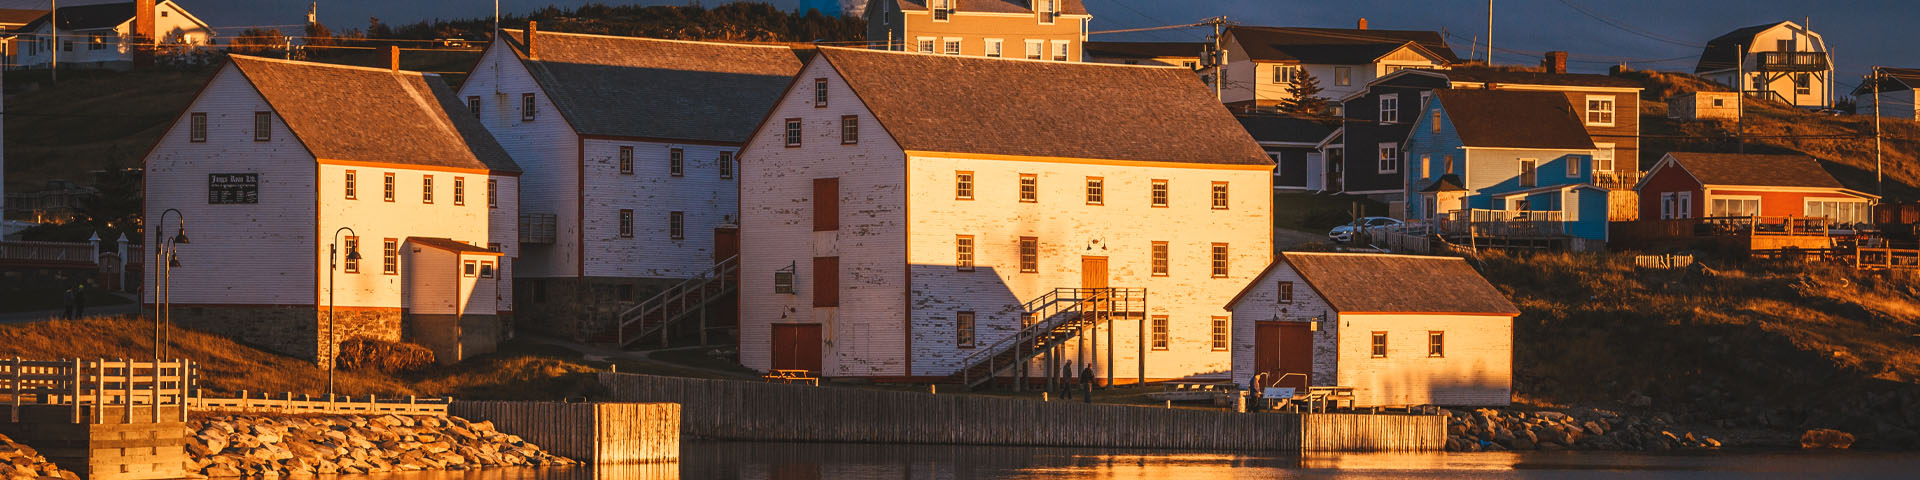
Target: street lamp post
(333, 254)
(165, 258)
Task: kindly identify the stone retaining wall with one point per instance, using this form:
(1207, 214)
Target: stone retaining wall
(1577, 429)
(252, 446)
(21, 462)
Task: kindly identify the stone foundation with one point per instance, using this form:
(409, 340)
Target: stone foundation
(298, 331)
(579, 308)
(455, 338)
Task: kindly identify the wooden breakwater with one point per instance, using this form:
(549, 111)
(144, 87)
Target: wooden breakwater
(754, 411)
(596, 433)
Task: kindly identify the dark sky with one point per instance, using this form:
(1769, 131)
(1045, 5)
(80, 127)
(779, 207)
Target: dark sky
(1859, 32)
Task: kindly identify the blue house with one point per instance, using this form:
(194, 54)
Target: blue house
(1504, 163)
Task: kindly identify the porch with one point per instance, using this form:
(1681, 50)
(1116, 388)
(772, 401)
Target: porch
(1762, 235)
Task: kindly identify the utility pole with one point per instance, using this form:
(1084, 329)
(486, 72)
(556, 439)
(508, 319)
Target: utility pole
(53, 69)
(1879, 185)
(1740, 99)
(1489, 33)
(1216, 59)
(496, 18)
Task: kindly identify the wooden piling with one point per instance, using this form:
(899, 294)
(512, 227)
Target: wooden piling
(596, 433)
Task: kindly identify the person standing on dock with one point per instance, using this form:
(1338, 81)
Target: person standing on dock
(68, 313)
(1086, 380)
(1066, 378)
(79, 300)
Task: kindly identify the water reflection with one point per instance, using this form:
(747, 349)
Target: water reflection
(789, 461)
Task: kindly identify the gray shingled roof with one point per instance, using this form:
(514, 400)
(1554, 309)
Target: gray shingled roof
(1337, 46)
(1067, 7)
(951, 103)
(374, 115)
(1756, 170)
(1514, 119)
(1145, 49)
(1893, 80)
(1377, 283)
(1723, 52)
(657, 89)
(1488, 75)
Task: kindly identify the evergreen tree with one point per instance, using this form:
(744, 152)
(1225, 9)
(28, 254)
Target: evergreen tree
(1305, 90)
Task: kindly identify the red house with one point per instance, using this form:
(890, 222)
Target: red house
(1697, 185)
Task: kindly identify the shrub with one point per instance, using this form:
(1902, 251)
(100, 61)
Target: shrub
(383, 356)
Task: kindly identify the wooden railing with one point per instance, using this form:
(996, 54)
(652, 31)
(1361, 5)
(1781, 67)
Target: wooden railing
(1790, 61)
(1503, 223)
(1616, 180)
(1886, 259)
(47, 253)
(90, 385)
(369, 405)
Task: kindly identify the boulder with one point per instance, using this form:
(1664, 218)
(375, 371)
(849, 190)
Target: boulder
(1826, 438)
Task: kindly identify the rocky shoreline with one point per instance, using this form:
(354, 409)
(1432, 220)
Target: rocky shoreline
(255, 446)
(1490, 430)
(21, 462)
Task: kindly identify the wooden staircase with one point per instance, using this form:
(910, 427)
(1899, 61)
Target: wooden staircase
(1050, 320)
(651, 318)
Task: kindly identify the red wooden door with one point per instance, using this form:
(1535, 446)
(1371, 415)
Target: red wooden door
(726, 243)
(796, 346)
(1281, 348)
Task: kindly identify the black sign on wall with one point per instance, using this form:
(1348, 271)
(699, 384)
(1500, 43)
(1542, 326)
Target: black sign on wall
(233, 188)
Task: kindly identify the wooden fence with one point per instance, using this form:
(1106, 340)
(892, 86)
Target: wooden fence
(369, 405)
(1666, 261)
(95, 389)
(1343, 432)
(596, 433)
(48, 253)
(754, 411)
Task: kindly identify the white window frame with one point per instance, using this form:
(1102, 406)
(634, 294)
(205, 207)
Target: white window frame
(1062, 50)
(995, 47)
(1047, 11)
(926, 44)
(951, 45)
(1666, 205)
(1713, 212)
(1573, 165)
(1612, 107)
(1528, 166)
(1683, 204)
(1283, 74)
(1389, 108)
(942, 10)
(1389, 157)
(1036, 49)
(1609, 151)
(1806, 206)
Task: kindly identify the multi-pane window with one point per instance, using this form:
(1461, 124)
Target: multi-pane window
(1159, 193)
(459, 190)
(1528, 172)
(1029, 188)
(626, 223)
(626, 159)
(390, 256)
(197, 127)
(942, 10)
(926, 45)
(677, 225)
(353, 184)
(353, 261)
(1049, 10)
(819, 92)
(473, 105)
(1029, 254)
(677, 162)
(963, 329)
(1603, 157)
(1285, 73)
(963, 253)
(1159, 332)
(1436, 344)
(1600, 110)
(262, 126)
(1723, 206)
(493, 192)
(849, 129)
(1096, 191)
(1035, 49)
(1343, 76)
(963, 185)
(1160, 259)
(1060, 50)
(1219, 195)
(1219, 251)
(1286, 292)
(793, 132)
(389, 187)
(952, 46)
(1389, 157)
(1220, 333)
(426, 189)
(1390, 108)
(1802, 83)
(995, 47)
(726, 164)
(527, 107)
(1379, 344)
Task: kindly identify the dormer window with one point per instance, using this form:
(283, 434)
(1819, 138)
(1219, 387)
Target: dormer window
(942, 9)
(1049, 10)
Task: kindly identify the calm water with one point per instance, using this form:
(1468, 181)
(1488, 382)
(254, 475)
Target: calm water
(858, 462)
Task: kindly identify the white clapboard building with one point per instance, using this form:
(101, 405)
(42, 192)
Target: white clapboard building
(907, 217)
(1398, 329)
(629, 146)
(274, 157)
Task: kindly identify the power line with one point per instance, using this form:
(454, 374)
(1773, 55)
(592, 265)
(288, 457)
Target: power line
(1628, 28)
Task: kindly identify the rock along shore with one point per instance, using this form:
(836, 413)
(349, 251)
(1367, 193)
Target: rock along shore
(257, 446)
(1489, 429)
(21, 462)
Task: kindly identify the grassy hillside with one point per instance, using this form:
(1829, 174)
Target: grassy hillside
(1777, 347)
(89, 120)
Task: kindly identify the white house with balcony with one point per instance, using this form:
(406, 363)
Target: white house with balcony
(278, 169)
(1263, 61)
(921, 218)
(1782, 61)
(629, 146)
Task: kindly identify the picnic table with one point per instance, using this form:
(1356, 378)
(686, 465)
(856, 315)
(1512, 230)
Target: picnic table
(790, 376)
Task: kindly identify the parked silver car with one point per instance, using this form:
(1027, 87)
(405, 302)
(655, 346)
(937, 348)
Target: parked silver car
(1344, 233)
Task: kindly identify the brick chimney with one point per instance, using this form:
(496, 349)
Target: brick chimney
(532, 28)
(1556, 62)
(144, 28)
(393, 58)
(1362, 24)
